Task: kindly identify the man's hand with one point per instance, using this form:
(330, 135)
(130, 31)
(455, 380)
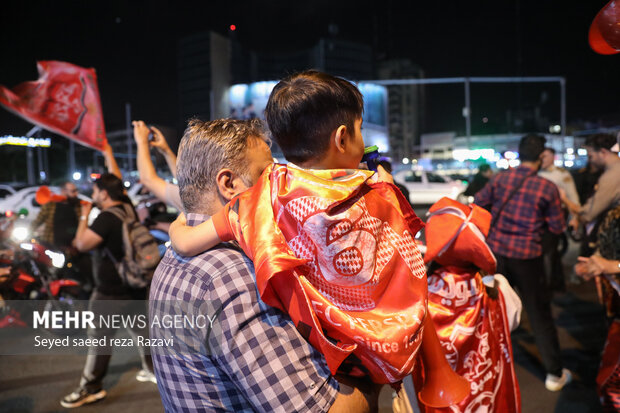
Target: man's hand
(383, 175)
(85, 210)
(587, 268)
(140, 132)
(159, 141)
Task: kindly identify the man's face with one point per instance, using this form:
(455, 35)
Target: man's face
(258, 157)
(96, 196)
(595, 157)
(70, 191)
(546, 159)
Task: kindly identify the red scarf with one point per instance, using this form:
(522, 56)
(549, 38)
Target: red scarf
(336, 251)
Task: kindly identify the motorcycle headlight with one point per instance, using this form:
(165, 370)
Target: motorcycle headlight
(20, 233)
(58, 258)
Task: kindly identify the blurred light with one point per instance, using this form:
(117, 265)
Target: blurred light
(485, 119)
(582, 152)
(167, 244)
(26, 246)
(232, 27)
(513, 163)
(558, 162)
(77, 176)
(405, 161)
(570, 151)
(94, 176)
(42, 175)
(569, 157)
(20, 233)
(473, 154)
(555, 129)
(502, 164)
(127, 184)
(58, 259)
(9, 214)
(414, 161)
(510, 155)
(569, 164)
(440, 166)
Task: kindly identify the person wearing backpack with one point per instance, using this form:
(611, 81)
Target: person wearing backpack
(122, 271)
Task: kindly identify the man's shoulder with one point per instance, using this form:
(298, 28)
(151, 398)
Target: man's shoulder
(177, 276)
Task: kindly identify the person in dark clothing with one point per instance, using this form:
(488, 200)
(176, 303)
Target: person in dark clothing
(481, 178)
(585, 181)
(60, 222)
(105, 237)
(523, 204)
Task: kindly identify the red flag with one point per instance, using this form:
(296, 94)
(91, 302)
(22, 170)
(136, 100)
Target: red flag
(65, 100)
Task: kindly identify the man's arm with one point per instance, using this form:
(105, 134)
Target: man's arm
(146, 169)
(263, 341)
(159, 142)
(604, 197)
(484, 197)
(85, 238)
(110, 161)
(554, 214)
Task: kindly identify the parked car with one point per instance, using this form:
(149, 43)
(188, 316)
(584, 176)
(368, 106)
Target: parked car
(6, 190)
(25, 199)
(426, 187)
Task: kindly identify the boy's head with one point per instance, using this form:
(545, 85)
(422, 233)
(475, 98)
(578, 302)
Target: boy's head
(305, 109)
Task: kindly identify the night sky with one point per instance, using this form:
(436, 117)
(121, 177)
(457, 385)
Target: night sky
(132, 45)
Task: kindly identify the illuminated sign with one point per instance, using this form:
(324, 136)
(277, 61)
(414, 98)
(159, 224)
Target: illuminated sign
(25, 141)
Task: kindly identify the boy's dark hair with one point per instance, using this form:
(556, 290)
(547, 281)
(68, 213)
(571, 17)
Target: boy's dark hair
(113, 186)
(305, 108)
(600, 141)
(530, 147)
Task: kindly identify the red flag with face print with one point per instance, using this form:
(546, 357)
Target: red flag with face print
(64, 100)
(337, 252)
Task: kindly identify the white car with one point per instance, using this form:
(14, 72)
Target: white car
(25, 199)
(426, 188)
(6, 190)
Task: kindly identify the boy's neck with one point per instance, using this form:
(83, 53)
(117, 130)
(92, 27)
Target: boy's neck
(327, 161)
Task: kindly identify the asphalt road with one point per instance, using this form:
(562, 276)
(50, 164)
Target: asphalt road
(37, 383)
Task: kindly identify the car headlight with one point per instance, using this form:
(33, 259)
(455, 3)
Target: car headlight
(20, 233)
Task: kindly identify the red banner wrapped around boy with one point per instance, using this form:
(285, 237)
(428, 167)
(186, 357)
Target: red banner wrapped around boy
(65, 100)
(471, 321)
(337, 252)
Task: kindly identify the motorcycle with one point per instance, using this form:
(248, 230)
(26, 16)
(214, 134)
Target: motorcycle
(36, 273)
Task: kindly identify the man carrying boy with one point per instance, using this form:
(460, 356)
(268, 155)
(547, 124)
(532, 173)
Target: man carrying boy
(264, 363)
(333, 245)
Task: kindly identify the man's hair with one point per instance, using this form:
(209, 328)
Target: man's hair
(550, 149)
(600, 141)
(64, 184)
(484, 167)
(206, 148)
(530, 147)
(305, 108)
(113, 186)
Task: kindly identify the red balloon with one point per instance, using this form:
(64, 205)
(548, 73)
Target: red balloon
(604, 36)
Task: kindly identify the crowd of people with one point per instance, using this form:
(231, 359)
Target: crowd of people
(324, 294)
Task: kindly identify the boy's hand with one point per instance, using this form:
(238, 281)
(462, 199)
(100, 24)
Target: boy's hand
(383, 175)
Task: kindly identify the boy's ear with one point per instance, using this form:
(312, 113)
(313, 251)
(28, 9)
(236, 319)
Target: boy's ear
(340, 138)
(228, 184)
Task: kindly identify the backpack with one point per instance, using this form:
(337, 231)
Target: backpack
(141, 253)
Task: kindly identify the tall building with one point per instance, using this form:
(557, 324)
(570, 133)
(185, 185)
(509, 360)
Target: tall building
(405, 107)
(209, 63)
